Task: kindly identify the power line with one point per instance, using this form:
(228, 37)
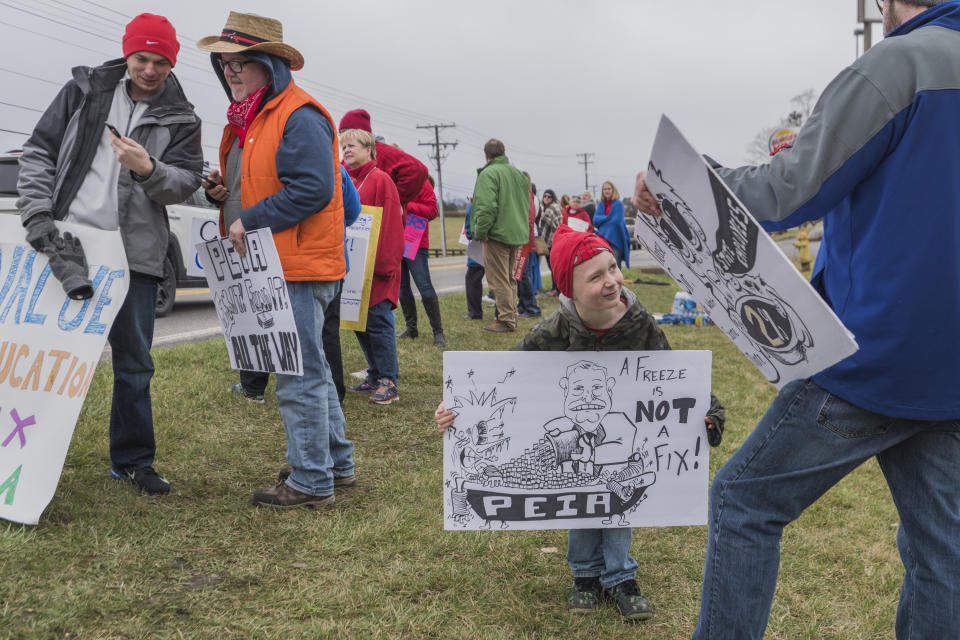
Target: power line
(20, 106)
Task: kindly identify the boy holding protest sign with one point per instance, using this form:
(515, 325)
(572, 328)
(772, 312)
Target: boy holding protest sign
(597, 314)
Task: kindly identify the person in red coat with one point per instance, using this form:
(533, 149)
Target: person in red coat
(407, 173)
(423, 206)
(379, 341)
(575, 212)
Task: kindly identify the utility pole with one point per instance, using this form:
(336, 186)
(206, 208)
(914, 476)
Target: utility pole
(586, 161)
(438, 157)
(867, 15)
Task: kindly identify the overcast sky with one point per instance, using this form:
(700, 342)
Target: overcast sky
(551, 78)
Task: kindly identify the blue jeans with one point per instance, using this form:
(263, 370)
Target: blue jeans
(317, 446)
(526, 292)
(132, 443)
(807, 441)
(419, 268)
(379, 343)
(603, 553)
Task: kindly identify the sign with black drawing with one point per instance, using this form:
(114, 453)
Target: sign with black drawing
(579, 439)
(715, 249)
(250, 295)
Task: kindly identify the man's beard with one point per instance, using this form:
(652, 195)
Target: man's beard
(890, 21)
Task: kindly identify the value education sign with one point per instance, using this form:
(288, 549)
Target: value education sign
(250, 295)
(561, 440)
(715, 249)
(49, 350)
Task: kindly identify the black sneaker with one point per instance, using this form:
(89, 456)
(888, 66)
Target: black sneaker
(238, 389)
(584, 595)
(145, 479)
(630, 602)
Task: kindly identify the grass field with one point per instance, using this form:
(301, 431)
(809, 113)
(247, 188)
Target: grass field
(203, 563)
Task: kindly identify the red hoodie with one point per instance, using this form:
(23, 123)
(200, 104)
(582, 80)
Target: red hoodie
(407, 173)
(580, 214)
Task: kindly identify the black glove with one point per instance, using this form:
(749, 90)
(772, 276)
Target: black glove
(67, 260)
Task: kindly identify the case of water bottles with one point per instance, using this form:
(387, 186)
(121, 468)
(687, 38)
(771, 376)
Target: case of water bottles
(685, 311)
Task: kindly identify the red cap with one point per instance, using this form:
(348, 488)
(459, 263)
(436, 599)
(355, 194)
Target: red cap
(148, 32)
(569, 249)
(356, 119)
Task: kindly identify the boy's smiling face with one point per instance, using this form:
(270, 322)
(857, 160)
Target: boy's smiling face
(597, 283)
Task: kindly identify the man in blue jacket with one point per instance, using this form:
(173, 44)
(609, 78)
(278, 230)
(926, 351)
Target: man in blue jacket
(879, 159)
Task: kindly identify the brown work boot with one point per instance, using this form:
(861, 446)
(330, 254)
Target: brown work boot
(283, 496)
(499, 327)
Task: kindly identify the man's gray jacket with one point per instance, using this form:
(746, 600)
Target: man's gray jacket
(58, 155)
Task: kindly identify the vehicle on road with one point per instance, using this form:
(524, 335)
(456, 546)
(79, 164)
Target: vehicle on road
(180, 218)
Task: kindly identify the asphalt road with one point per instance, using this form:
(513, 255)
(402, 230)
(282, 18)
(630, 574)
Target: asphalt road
(194, 318)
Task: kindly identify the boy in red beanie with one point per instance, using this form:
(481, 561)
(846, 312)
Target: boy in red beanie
(597, 314)
(107, 179)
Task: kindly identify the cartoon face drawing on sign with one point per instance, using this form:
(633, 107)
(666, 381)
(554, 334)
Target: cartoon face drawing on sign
(588, 447)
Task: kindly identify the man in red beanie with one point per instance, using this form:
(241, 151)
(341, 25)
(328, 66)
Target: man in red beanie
(74, 168)
(407, 172)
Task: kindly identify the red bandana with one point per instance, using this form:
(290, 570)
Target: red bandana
(241, 114)
(571, 248)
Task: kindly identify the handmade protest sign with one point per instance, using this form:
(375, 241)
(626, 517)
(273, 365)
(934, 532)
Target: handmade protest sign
(413, 231)
(49, 350)
(362, 239)
(250, 295)
(201, 230)
(565, 440)
(715, 249)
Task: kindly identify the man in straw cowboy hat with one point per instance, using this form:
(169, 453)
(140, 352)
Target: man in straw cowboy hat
(75, 168)
(281, 145)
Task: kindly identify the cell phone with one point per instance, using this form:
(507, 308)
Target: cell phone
(113, 130)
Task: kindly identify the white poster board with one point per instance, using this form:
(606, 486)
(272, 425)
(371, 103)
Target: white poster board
(362, 240)
(49, 349)
(715, 249)
(250, 295)
(201, 230)
(565, 440)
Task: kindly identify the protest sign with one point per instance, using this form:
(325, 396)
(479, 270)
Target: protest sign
(564, 440)
(49, 351)
(577, 224)
(201, 230)
(711, 245)
(250, 295)
(413, 230)
(475, 252)
(363, 236)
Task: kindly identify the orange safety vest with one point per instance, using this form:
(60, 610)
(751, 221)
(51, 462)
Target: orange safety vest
(312, 249)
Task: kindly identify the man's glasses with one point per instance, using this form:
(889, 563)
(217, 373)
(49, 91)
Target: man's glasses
(880, 5)
(235, 65)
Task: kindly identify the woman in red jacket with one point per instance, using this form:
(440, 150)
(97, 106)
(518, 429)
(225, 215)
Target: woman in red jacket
(379, 341)
(580, 216)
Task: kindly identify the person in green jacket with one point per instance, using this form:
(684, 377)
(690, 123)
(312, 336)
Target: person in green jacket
(501, 204)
